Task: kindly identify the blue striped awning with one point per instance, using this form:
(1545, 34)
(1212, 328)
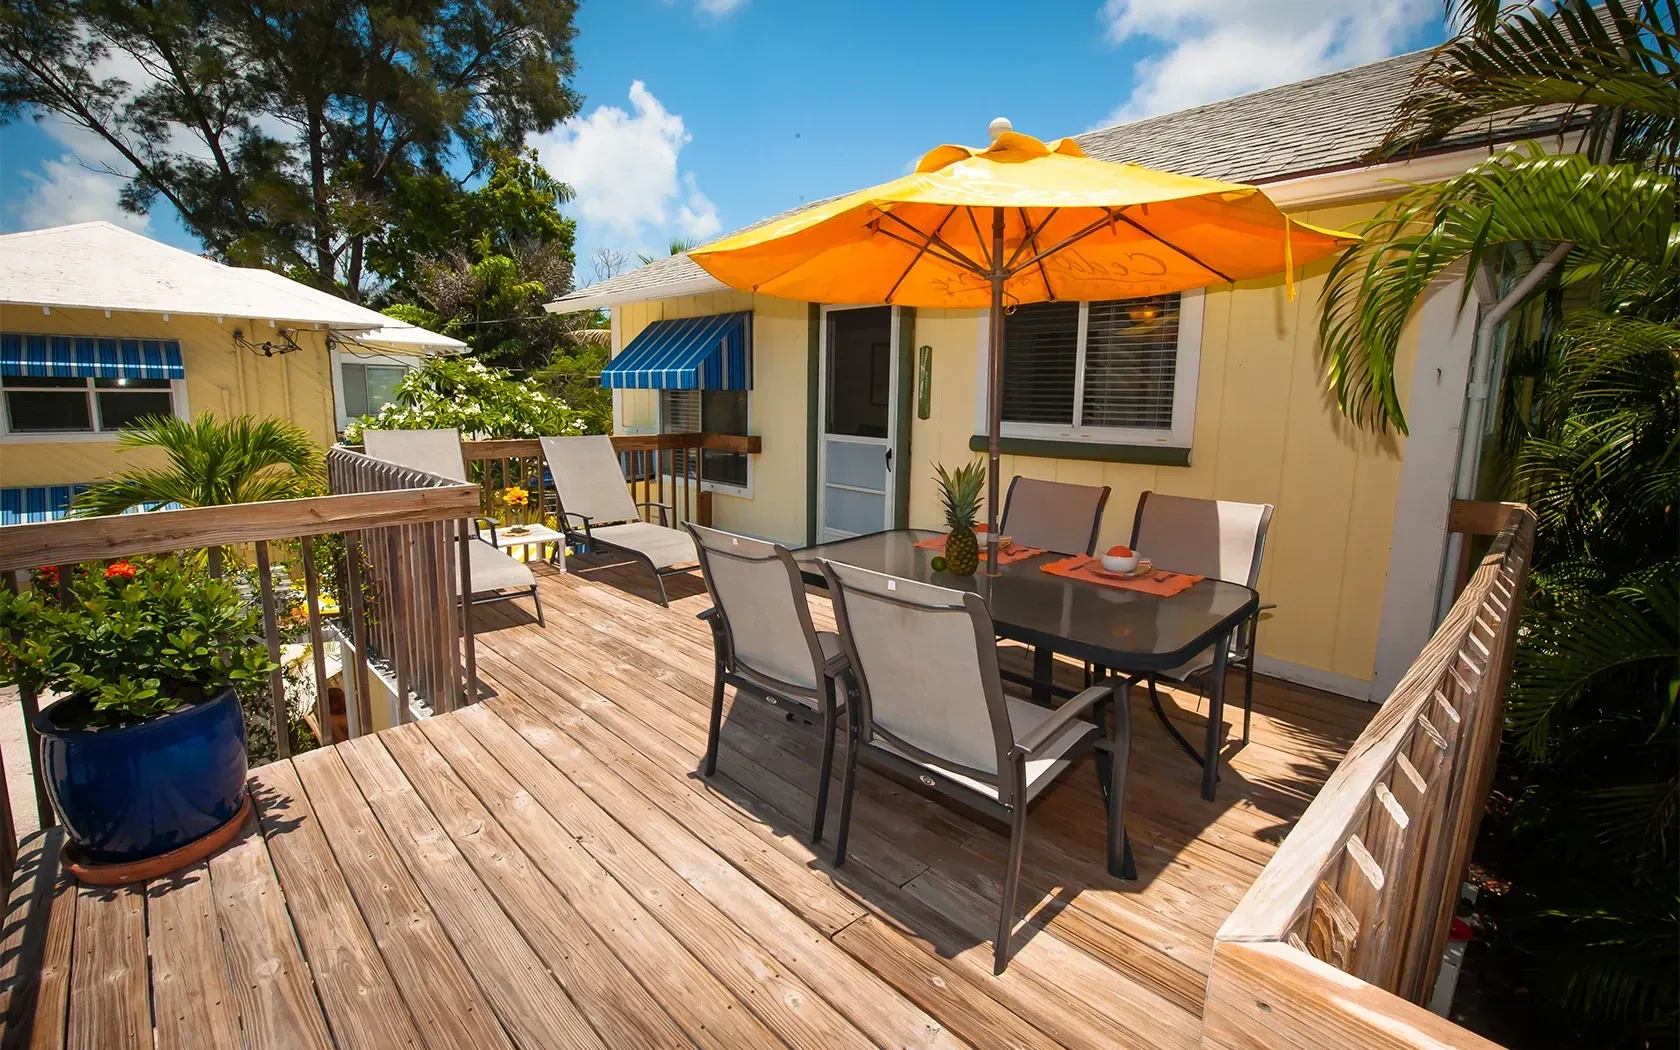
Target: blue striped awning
(80, 356)
(24, 506)
(40, 503)
(693, 353)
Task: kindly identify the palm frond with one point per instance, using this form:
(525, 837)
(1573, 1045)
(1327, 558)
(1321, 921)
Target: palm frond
(1612, 67)
(1572, 645)
(1521, 196)
(211, 462)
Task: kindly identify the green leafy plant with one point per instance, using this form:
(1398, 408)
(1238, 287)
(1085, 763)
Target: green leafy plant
(1580, 851)
(213, 462)
(479, 401)
(132, 641)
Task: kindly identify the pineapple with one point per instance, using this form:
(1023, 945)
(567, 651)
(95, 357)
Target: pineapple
(959, 492)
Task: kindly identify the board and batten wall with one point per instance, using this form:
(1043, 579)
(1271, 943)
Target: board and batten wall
(776, 409)
(220, 377)
(1266, 431)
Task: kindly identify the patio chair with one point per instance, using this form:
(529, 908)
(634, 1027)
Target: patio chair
(765, 643)
(1053, 515)
(496, 575)
(1218, 539)
(929, 705)
(594, 494)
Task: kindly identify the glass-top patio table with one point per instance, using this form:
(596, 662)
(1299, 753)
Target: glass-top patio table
(1123, 630)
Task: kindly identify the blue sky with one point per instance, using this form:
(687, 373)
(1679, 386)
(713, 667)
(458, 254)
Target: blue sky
(703, 115)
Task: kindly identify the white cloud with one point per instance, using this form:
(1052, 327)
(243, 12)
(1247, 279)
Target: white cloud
(624, 168)
(1218, 48)
(64, 191)
(718, 8)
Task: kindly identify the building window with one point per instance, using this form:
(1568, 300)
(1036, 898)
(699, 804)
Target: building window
(1121, 371)
(369, 388)
(709, 412)
(82, 405)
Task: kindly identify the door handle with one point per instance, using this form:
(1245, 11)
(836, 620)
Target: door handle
(889, 458)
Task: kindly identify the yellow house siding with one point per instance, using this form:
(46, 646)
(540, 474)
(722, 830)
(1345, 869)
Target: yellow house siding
(1266, 432)
(219, 377)
(776, 508)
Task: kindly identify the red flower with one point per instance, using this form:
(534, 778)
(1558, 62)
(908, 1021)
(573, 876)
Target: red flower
(120, 570)
(47, 575)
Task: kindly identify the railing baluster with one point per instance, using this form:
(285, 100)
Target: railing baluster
(31, 706)
(276, 677)
(470, 686)
(317, 642)
(359, 714)
(393, 609)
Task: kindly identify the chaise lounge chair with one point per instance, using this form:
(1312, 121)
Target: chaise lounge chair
(595, 498)
(496, 575)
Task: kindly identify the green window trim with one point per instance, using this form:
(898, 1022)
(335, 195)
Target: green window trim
(1046, 448)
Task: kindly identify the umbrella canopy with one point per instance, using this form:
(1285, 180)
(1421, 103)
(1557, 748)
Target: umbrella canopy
(1020, 221)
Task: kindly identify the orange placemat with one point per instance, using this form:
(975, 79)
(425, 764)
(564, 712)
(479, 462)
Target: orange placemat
(1011, 553)
(1161, 583)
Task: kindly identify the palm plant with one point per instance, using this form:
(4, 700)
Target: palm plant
(1586, 934)
(213, 462)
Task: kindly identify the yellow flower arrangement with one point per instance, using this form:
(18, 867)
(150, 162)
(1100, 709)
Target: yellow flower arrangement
(515, 496)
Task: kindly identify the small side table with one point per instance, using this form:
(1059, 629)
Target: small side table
(535, 536)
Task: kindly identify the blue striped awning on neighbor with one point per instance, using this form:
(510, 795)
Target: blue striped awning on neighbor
(80, 356)
(692, 353)
(24, 506)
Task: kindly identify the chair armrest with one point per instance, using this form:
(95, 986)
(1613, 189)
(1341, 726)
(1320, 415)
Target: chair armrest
(1068, 712)
(1266, 607)
(666, 510)
(485, 519)
(708, 615)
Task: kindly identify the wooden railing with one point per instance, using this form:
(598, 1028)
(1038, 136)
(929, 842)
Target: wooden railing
(405, 525)
(662, 468)
(1342, 934)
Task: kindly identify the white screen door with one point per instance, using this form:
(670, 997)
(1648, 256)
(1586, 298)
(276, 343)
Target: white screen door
(859, 388)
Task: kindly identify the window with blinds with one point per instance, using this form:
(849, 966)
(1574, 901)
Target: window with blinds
(710, 412)
(1100, 366)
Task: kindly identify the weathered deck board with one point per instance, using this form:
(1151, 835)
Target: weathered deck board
(545, 868)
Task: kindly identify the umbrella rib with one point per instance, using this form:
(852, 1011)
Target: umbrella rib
(920, 252)
(1032, 238)
(1151, 233)
(1064, 242)
(959, 261)
(952, 254)
(979, 238)
(1032, 234)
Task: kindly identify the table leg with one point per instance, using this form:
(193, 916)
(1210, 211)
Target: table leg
(1044, 664)
(1216, 717)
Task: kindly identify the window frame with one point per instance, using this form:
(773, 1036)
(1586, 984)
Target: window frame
(177, 391)
(340, 358)
(1186, 374)
(742, 491)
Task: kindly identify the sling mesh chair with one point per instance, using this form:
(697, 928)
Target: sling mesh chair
(1222, 541)
(1053, 515)
(765, 643)
(596, 497)
(929, 706)
(497, 576)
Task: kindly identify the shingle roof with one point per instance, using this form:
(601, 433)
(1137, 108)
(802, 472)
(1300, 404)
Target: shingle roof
(1323, 124)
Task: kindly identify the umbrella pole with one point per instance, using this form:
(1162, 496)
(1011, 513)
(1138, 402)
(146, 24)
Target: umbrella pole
(994, 406)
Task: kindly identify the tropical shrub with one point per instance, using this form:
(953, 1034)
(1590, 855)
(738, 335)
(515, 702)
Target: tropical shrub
(479, 401)
(213, 462)
(1580, 853)
(133, 640)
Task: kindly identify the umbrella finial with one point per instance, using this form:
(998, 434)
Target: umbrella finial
(998, 126)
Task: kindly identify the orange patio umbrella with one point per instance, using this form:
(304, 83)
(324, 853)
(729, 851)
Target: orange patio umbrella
(1020, 221)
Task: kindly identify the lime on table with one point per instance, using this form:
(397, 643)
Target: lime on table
(937, 565)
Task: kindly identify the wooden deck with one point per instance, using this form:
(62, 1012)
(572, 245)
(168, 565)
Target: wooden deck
(546, 869)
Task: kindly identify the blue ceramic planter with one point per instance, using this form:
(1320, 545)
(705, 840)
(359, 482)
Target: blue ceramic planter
(138, 791)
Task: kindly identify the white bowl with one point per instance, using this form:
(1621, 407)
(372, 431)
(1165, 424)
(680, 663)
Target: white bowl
(1113, 564)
